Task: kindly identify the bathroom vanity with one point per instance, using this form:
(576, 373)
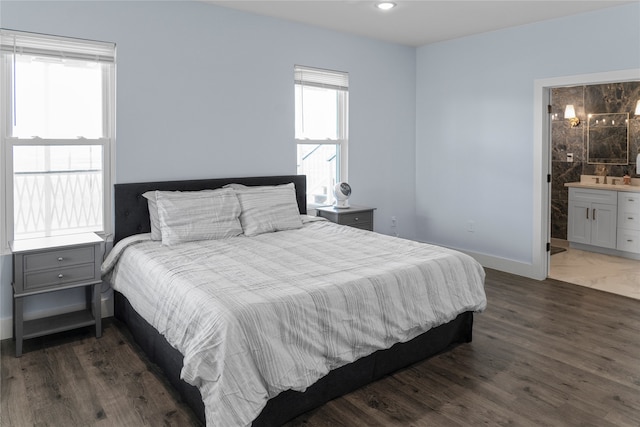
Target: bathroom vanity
(605, 218)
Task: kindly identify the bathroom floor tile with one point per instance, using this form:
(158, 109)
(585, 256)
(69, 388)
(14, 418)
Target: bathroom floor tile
(604, 272)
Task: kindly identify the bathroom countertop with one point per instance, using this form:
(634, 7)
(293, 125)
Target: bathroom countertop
(589, 181)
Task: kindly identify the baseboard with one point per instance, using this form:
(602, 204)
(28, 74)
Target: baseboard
(6, 324)
(518, 268)
(6, 328)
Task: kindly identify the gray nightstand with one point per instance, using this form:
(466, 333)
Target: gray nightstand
(355, 216)
(52, 264)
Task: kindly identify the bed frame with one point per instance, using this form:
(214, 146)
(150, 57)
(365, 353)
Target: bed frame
(132, 217)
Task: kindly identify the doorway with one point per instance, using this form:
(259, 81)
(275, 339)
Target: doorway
(566, 264)
(573, 154)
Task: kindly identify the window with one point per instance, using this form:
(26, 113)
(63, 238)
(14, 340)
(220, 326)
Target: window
(57, 135)
(322, 110)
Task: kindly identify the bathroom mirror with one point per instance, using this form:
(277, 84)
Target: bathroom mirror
(608, 138)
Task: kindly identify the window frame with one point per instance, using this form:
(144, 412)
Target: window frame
(339, 81)
(8, 142)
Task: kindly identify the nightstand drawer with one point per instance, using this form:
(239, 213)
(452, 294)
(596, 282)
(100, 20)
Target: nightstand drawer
(59, 276)
(60, 258)
(356, 218)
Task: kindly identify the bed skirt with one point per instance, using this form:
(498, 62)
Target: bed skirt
(290, 404)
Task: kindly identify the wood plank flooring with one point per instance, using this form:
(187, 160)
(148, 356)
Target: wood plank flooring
(543, 353)
(74, 379)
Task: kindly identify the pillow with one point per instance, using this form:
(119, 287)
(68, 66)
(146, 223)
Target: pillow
(198, 215)
(156, 234)
(268, 208)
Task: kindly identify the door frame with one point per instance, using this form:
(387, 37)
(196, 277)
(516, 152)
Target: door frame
(542, 155)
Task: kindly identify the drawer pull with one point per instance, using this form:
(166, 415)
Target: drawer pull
(60, 258)
(60, 276)
(630, 218)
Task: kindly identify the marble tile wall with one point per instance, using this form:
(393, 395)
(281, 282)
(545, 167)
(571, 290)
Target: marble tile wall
(593, 99)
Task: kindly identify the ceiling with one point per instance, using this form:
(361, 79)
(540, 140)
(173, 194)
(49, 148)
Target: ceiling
(417, 22)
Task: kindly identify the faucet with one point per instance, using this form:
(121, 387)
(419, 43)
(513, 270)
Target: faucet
(602, 171)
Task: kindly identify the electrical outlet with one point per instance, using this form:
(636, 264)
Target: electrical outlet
(471, 226)
(394, 221)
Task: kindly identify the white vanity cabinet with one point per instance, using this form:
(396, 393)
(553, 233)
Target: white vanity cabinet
(593, 217)
(628, 222)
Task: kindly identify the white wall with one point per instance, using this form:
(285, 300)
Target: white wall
(204, 91)
(475, 126)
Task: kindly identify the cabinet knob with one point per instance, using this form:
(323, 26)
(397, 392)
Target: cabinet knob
(60, 276)
(60, 258)
(356, 218)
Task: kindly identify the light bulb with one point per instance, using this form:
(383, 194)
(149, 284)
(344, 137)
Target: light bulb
(386, 5)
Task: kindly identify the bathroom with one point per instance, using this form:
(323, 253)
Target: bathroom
(569, 151)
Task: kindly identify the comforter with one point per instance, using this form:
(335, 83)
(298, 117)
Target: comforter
(254, 316)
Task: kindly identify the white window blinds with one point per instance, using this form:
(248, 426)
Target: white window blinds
(19, 42)
(318, 77)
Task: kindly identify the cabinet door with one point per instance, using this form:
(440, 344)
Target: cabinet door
(579, 222)
(603, 225)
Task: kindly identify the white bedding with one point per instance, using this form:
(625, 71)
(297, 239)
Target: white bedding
(254, 316)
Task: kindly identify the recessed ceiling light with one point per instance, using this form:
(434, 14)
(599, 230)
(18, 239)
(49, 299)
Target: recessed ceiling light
(385, 5)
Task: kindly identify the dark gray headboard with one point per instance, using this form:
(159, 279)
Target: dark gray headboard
(132, 212)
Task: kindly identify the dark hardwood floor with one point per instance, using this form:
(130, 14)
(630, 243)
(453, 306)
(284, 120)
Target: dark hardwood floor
(544, 353)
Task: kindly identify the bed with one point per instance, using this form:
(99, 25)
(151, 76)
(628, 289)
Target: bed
(330, 379)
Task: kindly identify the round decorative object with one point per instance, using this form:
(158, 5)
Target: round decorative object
(342, 192)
